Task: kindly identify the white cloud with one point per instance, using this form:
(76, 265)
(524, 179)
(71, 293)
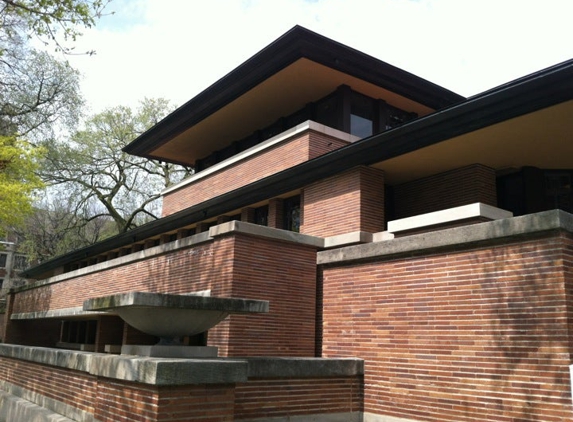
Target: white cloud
(176, 48)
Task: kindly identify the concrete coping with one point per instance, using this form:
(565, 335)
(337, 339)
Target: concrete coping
(449, 215)
(173, 371)
(276, 367)
(266, 232)
(491, 231)
(57, 313)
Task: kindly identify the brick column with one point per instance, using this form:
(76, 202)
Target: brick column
(276, 213)
(248, 215)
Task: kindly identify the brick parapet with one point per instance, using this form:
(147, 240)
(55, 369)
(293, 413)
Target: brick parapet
(91, 386)
(294, 149)
(240, 260)
(448, 331)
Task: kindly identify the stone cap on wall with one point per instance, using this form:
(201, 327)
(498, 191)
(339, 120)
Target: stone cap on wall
(162, 371)
(458, 237)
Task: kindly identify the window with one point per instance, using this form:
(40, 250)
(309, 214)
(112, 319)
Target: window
(83, 332)
(3, 259)
(262, 215)
(292, 214)
(361, 115)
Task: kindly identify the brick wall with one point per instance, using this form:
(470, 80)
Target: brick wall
(113, 400)
(124, 401)
(348, 202)
(73, 388)
(466, 185)
(285, 275)
(264, 398)
(475, 335)
(299, 149)
(230, 266)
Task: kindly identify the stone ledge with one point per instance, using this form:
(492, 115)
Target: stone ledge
(481, 233)
(162, 371)
(70, 359)
(347, 239)
(449, 215)
(57, 313)
(304, 367)
(264, 231)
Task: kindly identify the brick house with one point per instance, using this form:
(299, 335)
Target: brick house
(415, 247)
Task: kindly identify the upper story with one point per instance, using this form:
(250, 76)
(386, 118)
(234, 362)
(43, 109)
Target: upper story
(312, 136)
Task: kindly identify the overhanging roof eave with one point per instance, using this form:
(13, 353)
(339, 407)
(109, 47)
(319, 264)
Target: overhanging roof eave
(537, 91)
(295, 44)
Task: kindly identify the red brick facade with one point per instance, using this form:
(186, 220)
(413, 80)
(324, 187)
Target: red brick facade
(112, 400)
(263, 398)
(462, 186)
(300, 148)
(473, 335)
(348, 202)
(230, 266)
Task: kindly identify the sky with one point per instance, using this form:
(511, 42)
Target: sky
(176, 48)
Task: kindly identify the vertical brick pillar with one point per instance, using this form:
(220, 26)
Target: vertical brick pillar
(348, 202)
(276, 213)
(248, 215)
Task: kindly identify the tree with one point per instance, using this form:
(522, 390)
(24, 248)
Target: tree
(18, 179)
(53, 228)
(36, 89)
(92, 168)
(52, 21)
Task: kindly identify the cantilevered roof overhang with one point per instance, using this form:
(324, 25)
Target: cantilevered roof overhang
(525, 122)
(298, 68)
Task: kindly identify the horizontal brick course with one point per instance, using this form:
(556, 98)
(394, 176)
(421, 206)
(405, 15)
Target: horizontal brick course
(462, 186)
(230, 266)
(480, 334)
(300, 148)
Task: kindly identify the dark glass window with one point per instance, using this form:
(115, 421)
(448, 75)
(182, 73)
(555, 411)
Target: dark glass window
(558, 193)
(3, 258)
(262, 215)
(360, 126)
(361, 115)
(292, 214)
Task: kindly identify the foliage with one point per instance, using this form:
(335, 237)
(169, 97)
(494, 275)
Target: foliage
(103, 180)
(52, 21)
(54, 229)
(36, 91)
(18, 180)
